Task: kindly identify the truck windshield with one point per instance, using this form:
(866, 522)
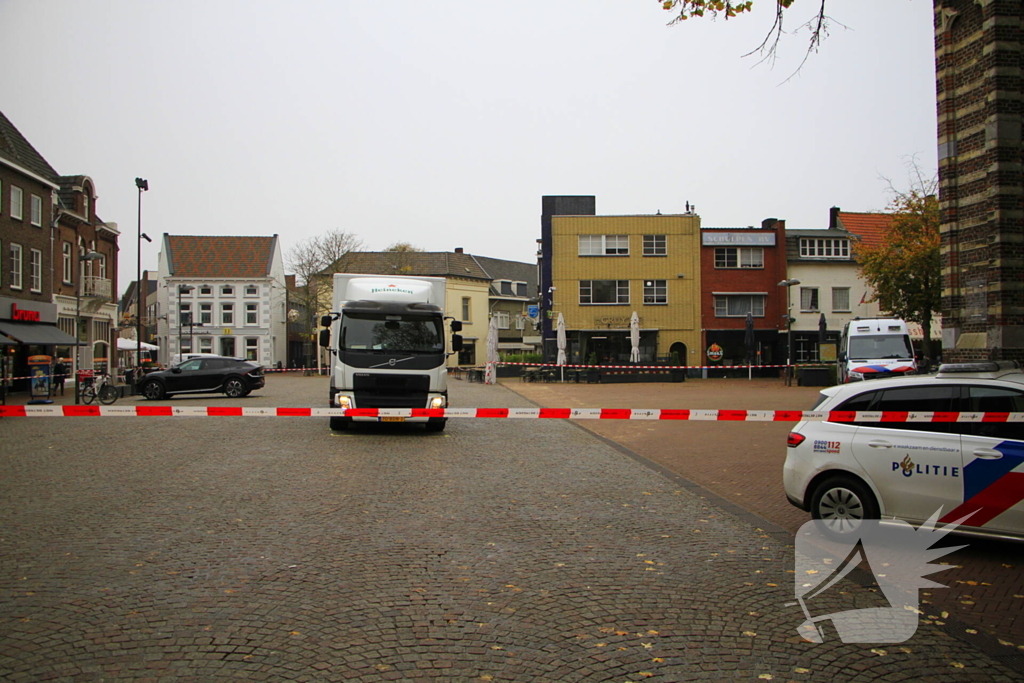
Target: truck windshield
(878, 346)
(391, 333)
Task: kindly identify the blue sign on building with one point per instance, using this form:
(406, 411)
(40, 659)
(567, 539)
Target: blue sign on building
(533, 311)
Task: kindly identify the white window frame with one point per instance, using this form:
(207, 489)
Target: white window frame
(837, 293)
(68, 273)
(503, 319)
(205, 290)
(655, 292)
(587, 293)
(227, 314)
(206, 345)
(252, 290)
(227, 290)
(520, 322)
(206, 314)
(603, 245)
(655, 245)
(252, 348)
(184, 314)
(17, 256)
(35, 210)
(744, 257)
(824, 247)
(467, 309)
(252, 314)
(809, 300)
(35, 272)
(17, 203)
(722, 301)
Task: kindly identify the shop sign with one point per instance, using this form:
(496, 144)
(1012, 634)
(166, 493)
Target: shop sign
(715, 353)
(23, 315)
(738, 239)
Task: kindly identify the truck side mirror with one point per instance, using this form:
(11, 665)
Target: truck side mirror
(325, 321)
(456, 342)
(325, 338)
(456, 326)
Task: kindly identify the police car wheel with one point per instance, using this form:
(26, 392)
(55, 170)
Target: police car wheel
(841, 502)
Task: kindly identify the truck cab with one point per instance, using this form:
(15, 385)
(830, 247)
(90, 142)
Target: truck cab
(875, 348)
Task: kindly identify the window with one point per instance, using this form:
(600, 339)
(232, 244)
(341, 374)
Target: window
(227, 290)
(67, 275)
(655, 292)
(503, 319)
(738, 305)
(995, 400)
(16, 202)
(604, 291)
(739, 257)
(465, 309)
(35, 276)
(251, 290)
(205, 290)
(227, 314)
(604, 245)
(205, 314)
(205, 345)
(505, 287)
(227, 346)
(914, 399)
(818, 247)
(251, 314)
(522, 289)
(36, 210)
(655, 245)
(252, 348)
(101, 267)
(808, 298)
(185, 314)
(841, 299)
(85, 203)
(15, 266)
(520, 322)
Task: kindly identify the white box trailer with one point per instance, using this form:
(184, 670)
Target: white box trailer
(387, 341)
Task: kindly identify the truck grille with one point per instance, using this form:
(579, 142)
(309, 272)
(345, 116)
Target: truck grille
(390, 391)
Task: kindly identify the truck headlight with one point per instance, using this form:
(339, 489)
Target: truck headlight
(437, 402)
(343, 401)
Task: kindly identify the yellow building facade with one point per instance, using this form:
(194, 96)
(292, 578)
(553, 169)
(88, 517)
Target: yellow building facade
(605, 268)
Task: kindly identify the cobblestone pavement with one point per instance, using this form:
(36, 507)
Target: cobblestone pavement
(742, 463)
(271, 549)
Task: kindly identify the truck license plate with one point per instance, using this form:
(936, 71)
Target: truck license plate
(392, 419)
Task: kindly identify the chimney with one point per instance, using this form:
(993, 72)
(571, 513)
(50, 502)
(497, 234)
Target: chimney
(458, 250)
(833, 218)
(767, 223)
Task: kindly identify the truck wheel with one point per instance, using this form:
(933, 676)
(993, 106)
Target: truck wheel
(437, 426)
(340, 424)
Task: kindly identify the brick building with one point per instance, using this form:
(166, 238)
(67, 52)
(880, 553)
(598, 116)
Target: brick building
(980, 89)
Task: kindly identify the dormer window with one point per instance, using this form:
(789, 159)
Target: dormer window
(521, 289)
(505, 287)
(817, 247)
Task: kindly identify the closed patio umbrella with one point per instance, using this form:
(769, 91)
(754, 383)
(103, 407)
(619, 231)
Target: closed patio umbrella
(634, 338)
(560, 341)
(491, 372)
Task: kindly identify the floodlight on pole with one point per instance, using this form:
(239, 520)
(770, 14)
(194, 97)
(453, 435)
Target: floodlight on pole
(143, 185)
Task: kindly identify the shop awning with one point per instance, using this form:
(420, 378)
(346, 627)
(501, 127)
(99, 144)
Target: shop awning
(7, 341)
(25, 333)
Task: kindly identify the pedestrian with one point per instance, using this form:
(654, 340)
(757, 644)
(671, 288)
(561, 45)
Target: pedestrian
(60, 371)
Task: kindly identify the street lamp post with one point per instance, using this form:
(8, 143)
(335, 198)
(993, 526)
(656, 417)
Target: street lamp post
(788, 284)
(143, 185)
(82, 258)
(184, 289)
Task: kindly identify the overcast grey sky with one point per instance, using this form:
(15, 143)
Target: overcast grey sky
(443, 123)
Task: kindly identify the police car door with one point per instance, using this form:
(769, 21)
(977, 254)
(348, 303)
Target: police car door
(915, 466)
(993, 462)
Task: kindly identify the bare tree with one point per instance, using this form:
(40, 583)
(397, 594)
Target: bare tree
(313, 261)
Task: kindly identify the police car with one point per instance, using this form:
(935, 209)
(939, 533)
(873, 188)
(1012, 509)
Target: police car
(842, 472)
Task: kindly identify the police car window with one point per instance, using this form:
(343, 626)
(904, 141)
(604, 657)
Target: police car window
(860, 402)
(995, 400)
(916, 400)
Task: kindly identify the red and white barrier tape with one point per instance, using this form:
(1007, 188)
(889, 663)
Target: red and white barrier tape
(509, 413)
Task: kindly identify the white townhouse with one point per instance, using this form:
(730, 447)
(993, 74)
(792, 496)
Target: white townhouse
(224, 295)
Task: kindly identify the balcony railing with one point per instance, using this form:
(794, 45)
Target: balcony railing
(99, 287)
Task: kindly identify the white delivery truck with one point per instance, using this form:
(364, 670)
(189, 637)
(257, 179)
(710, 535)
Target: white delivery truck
(875, 348)
(386, 337)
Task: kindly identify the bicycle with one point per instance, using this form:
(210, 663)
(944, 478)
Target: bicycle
(102, 390)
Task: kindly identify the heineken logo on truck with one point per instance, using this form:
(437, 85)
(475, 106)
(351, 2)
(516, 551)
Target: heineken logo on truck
(391, 288)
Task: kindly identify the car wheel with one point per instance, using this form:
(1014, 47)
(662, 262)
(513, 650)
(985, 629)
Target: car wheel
(235, 388)
(340, 424)
(842, 502)
(436, 426)
(154, 391)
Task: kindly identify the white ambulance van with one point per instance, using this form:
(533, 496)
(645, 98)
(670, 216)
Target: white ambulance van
(875, 348)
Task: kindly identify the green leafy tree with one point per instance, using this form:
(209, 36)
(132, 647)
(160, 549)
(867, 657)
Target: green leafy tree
(904, 269)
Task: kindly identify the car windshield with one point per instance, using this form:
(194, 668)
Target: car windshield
(875, 346)
(391, 333)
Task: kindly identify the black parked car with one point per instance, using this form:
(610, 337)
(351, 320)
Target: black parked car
(233, 376)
